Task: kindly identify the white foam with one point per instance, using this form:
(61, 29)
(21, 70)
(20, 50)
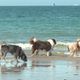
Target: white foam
(67, 53)
(24, 46)
(63, 43)
(28, 46)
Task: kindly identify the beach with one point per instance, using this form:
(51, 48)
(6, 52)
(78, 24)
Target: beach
(21, 23)
(39, 67)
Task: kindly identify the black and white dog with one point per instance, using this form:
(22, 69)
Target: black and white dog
(14, 50)
(42, 45)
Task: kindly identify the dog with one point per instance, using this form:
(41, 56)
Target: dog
(14, 50)
(42, 45)
(74, 48)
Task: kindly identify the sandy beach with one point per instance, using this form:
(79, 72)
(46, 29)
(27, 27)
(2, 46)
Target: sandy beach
(57, 67)
(55, 57)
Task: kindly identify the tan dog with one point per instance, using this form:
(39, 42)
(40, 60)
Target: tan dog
(74, 48)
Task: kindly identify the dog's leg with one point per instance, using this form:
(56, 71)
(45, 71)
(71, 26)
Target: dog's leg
(49, 53)
(16, 58)
(1, 55)
(4, 56)
(75, 54)
(72, 53)
(33, 52)
(37, 51)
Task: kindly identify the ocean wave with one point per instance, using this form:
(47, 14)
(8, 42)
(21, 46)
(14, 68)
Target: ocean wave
(24, 46)
(63, 43)
(28, 46)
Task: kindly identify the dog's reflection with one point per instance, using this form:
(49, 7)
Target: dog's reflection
(36, 63)
(15, 68)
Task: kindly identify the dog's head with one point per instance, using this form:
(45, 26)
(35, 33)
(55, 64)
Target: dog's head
(78, 43)
(33, 40)
(23, 56)
(4, 49)
(52, 42)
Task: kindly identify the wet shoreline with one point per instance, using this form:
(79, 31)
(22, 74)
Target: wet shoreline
(58, 67)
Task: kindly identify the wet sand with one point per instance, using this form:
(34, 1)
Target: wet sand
(57, 67)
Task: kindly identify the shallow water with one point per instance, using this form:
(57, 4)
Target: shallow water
(40, 70)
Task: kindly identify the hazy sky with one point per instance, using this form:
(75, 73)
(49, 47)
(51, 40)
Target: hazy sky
(38, 2)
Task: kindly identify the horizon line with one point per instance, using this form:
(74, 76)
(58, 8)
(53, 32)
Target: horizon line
(41, 5)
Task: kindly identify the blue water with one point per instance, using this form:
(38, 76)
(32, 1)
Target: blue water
(19, 24)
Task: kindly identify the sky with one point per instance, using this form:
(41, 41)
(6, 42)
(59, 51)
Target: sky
(38, 2)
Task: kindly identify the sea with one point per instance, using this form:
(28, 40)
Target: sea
(18, 24)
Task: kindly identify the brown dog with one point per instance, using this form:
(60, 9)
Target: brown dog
(42, 45)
